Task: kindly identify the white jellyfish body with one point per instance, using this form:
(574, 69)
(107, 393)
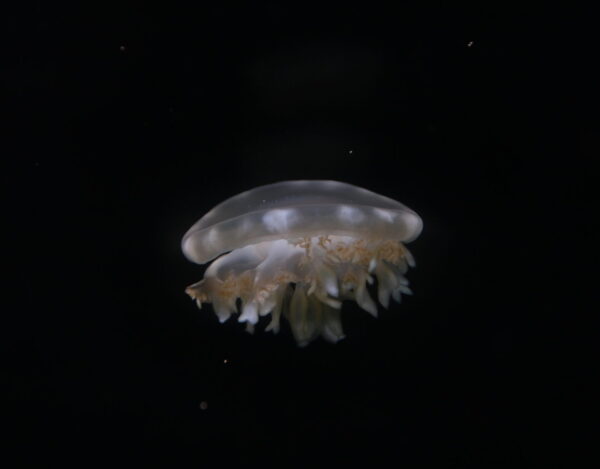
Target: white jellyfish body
(298, 249)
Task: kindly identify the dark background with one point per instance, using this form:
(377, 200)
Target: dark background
(130, 121)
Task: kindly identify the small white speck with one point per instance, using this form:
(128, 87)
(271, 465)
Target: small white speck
(350, 152)
(349, 214)
(212, 238)
(225, 360)
(470, 44)
(122, 48)
(279, 220)
(385, 215)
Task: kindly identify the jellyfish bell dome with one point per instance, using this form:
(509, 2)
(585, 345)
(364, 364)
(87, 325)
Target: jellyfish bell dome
(296, 209)
(298, 249)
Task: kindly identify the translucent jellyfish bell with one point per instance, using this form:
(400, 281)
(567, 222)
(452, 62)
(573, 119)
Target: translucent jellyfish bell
(299, 248)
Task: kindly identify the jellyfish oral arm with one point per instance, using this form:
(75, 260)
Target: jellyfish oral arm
(306, 280)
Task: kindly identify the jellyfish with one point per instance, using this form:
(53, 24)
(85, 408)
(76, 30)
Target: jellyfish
(298, 249)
